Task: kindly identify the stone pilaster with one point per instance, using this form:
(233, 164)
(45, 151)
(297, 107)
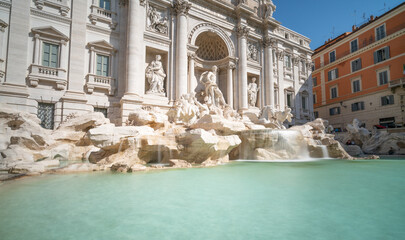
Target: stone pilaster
(181, 8)
(243, 33)
(281, 93)
(192, 81)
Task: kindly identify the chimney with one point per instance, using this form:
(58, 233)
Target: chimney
(371, 18)
(353, 28)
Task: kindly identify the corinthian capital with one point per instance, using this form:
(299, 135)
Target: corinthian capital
(182, 6)
(242, 31)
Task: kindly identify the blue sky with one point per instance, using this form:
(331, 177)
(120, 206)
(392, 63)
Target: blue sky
(320, 19)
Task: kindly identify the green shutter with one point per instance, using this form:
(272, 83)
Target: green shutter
(375, 57)
(54, 56)
(46, 54)
(99, 65)
(387, 52)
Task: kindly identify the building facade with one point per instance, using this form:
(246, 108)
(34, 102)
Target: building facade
(360, 74)
(61, 56)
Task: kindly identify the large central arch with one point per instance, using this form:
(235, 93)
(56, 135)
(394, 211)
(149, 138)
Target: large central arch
(210, 27)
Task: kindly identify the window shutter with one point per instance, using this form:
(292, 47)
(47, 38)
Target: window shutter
(375, 57)
(45, 55)
(336, 73)
(54, 56)
(362, 105)
(105, 66)
(391, 97)
(99, 65)
(329, 75)
(353, 66)
(387, 52)
(338, 110)
(359, 63)
(353, 107)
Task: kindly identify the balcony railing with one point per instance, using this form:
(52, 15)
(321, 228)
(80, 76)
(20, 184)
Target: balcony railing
(100, 82)
(102, 15)
(42, 73)
(397, 82)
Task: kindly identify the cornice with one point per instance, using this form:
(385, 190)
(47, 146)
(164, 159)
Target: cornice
(5, 4)
(101, 30)
(50, 16)
(361, 50)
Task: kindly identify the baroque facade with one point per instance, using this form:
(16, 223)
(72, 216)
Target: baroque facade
(59, 57)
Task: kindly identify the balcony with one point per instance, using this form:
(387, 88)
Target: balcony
(99, 14)
(397, 83)
(39, 73)
(100, 82)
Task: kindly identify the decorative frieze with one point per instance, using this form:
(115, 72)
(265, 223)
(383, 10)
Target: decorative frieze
(253, 51)
(242, 31)
(157, 22)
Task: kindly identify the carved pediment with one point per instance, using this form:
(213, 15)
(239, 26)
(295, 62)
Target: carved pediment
(50, 31)
(103, 45)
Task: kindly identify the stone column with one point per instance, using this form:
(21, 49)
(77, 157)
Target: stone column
(243, 33)
(135, 48)
(229, 84)
(192, 81)
(181, 8)
(92, 60)
(281, 95)
(268, 72)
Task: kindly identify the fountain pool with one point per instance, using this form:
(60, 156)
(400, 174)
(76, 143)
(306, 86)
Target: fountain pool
(330, 199)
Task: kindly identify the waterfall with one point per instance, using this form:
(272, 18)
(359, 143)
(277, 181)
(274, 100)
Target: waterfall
(324, 151)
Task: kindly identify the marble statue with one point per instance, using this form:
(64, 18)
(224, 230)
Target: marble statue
(156, 76)
(212, 94)
(252, 92)
(270, 9)
(156, 23)
(273, 118)
(252, 52)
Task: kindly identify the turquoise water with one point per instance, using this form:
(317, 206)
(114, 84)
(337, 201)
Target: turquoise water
(331, 199)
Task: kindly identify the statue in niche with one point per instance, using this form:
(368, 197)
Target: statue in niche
(212, 94)
(252, 51)
(156, 76)
(156, 23)
(270, 9)
(252, 92)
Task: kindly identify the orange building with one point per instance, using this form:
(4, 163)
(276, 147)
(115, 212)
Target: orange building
(361, 74)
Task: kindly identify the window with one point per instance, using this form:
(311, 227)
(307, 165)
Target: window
(333, 74)
(290, 99)
(304, 102)
(315, 81)
(334, 111)
(333, 92)
(102, 110)
(387, 100)
(357, 106)
(316, 115)
(382, 54)
(50, 55)
(314, 98)
(46, 113)
(356, 87)
(286, 35)
(103, 65)
(356, 65)
(354, 45)
(383, 77)
(313, 66)
(287, 61)
(301, 42)
(106, 4)
(380, 32)
(332, 56)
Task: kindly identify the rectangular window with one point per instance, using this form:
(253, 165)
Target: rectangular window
(315, 81)
(46, 113)
(316, 115)
(334, 111)
(102, 110)
(357, 106)
(304, 102)
(382, 54)
(356, 86)
(50, 55)
(290, 99)
(333, 74)
(387, 100)
(287, 61)
(106, 4)
(333, 92)
(380, 31)
(332, 56)
(313, 66)
(314, 98)
(383, 77)
(354, 45)
(356, 65)
(103, 65)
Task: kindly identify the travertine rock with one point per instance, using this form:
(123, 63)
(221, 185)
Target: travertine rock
(353, 150)
(221, 125)
(152, 118)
